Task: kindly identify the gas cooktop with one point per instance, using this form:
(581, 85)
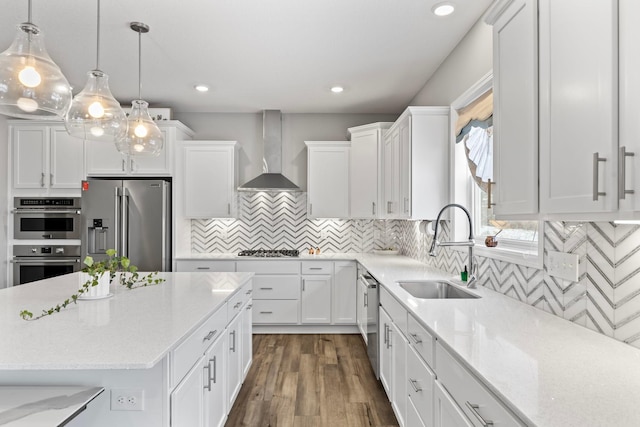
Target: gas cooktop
(270, 253)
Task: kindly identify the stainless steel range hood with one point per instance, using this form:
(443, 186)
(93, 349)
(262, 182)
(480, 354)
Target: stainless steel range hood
(271, 179)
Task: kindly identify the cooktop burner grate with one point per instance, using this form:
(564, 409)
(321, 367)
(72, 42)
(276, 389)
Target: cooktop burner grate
(270, 253)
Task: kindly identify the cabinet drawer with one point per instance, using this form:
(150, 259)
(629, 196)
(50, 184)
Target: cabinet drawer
(420, 387)
(396, 311)
(468, 392)
(269, 267)
(422, 341)
(317, 267)
(275, 311)
(205, 266)
(194, 346)
(238, 300)
(276, 287)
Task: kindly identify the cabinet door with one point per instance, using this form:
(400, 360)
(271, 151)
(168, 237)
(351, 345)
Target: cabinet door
(629, 106)
(215, 392)
(66, 159)
(362, 310)
(234, 360)
(420, 387)
(391, 173)
(344, 293)
(102, 159)
(364, 174)
(328, 182)
(578, 106)
(209, 183)
(316, 299)
(187, 405)
(154, 165)
(29, 148)
(247, 338)
(385, 351)
(446, 411)
(515, 106)
(404, 169)
(398, 344)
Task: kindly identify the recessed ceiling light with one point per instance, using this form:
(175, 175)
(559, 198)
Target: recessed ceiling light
(201, 88)
(443, 9)
(337, 89)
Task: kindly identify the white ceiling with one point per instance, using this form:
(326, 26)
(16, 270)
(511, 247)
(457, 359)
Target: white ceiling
(254, 54)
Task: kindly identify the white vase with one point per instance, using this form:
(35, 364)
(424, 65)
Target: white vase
(100, 290)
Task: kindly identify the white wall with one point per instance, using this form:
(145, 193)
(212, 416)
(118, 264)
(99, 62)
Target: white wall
(465, 66)
(296, 128)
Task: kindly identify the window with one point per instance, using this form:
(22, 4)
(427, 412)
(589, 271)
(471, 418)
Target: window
(472, 159)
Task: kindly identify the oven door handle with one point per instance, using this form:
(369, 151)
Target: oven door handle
(46, 211)
(45, 261)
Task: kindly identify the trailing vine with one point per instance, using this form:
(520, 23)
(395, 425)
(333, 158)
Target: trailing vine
(129, 278)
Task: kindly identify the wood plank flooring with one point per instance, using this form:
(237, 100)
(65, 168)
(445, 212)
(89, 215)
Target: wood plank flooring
(311, 381)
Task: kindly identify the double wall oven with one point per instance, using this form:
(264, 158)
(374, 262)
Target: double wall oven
(40, 220)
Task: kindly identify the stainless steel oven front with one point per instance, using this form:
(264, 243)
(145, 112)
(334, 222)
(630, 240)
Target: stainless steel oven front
(39, 218)
(31, 263)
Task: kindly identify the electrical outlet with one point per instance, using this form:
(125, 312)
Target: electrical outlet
(563, 265)
(127, 400)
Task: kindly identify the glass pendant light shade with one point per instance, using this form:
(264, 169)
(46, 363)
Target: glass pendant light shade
(31, 84)
(144, 137)
(94, 113)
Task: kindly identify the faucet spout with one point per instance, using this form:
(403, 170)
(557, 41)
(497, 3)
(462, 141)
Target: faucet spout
(469, 243)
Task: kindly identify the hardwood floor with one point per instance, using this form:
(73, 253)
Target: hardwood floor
(311, 381)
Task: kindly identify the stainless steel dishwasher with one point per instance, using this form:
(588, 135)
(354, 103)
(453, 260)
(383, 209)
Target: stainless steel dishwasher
(368, 304)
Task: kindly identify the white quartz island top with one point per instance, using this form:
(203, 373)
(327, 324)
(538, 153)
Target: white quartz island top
(133, 329)
(548, 370)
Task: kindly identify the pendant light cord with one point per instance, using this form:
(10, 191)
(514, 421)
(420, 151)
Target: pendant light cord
(97, 39)
(139, 65)
(29, 13)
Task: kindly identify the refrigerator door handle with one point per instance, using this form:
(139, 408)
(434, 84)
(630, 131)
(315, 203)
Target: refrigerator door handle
(164, 227)
(124, 232)
(116, 221)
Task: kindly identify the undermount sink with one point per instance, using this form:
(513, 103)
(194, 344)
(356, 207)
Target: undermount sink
(434, 289)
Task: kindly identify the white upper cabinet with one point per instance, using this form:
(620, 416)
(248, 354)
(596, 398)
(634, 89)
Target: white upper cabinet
(206, 177)
(103, 159)
(578, 106)
(327, 179)
(515, 107)
(45, 156)
(416, 164)
(366, 170)
(629, 165)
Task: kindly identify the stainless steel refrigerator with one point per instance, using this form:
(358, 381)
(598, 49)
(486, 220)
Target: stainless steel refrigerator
(132, 216)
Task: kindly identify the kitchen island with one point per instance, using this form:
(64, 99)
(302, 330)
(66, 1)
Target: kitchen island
(134, 341)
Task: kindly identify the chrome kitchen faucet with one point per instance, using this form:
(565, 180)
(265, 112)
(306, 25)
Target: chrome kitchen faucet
(470, 243)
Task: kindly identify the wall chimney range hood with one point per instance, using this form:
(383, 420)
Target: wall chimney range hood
(271, 179)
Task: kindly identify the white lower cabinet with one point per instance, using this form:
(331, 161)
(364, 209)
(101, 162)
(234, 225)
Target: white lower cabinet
(398, 344)
(343, 309)
(385, 351)
(215, 389)
(209, 366)
(361, 309)
(205, 265)
(420, 383)
(315, 303)
(446, 411)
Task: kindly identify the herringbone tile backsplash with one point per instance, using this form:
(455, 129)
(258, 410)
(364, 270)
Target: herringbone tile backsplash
(606, 298)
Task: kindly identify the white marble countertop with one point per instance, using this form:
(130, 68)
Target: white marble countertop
(133, 329)
(43, 406)
(548, 370)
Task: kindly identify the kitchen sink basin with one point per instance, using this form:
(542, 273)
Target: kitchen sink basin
(434, 289)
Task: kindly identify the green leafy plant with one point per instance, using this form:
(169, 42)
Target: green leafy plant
(129, 277)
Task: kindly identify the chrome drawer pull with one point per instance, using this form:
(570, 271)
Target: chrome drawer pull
(622, 167)
(238, 304)
(266, 289)
(596, 161)
(416, 338)
(315, 268)
(266, 312)
(208, 368)
(203, 268)
(474, 410)
(215, 369)
(249, 292)
(414, 384)
(210, 335)
(249, 306)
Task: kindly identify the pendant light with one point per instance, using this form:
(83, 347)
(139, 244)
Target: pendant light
(144, 137)
(31, 84)
(94, 113)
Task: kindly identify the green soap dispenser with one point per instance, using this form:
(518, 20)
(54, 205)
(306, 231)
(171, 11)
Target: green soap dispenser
(464, 274)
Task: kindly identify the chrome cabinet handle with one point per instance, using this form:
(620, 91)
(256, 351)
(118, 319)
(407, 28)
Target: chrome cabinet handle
(132, 165)
(250, 306)
(489, 202)
(210, 335)
(414, 384)
(203, 268)
(474, 410)
(596, 168)
(406, 203)
(302, 285)
(238, 304)
(51, 179)
(123, 166)
(228, 208)
(42, 180)
(266, 289)
(266, 312)
(208, 386)
(215, 370)
(249, 292)
(622, 172)
(310, 208)
(366, 300)
(233, 345)
(373, 208)
(386, 337)
(388, 207)
(416, 339)
(389, 339)
(315, 268)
